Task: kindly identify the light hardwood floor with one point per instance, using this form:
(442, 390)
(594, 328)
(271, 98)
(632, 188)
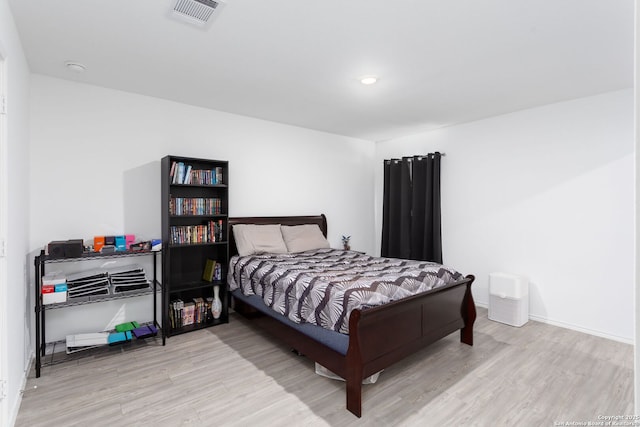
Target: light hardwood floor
(236, 375)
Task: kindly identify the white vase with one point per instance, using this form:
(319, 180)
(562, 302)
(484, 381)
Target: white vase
(216, 305)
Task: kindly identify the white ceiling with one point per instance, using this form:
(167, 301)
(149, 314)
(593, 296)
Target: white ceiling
(440, 62)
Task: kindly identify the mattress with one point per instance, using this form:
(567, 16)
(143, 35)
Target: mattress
(323, 286)
(334, 340)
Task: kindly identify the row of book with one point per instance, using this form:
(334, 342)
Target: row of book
(193, 312)
(204, 233)
(107, 281)
(185, 174)
(195, 206)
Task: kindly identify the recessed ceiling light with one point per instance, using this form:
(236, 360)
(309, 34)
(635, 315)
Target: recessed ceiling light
(368, 80)
(76, 67)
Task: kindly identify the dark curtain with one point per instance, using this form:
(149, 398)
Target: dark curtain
(411, 221)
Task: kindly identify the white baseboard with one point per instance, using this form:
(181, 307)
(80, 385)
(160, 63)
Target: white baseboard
(13, 414)
(571, 326)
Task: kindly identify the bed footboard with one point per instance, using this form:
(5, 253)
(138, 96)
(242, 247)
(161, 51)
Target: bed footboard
(468, 314)
(381, 336)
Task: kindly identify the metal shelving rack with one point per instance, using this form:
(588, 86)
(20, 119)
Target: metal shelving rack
(40, 263)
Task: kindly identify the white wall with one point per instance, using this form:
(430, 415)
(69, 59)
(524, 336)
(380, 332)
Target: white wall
(95, 168)
(637, 223)
(548, 193)
(16, 348)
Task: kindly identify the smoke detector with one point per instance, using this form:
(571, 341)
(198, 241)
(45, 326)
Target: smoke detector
(197, 12)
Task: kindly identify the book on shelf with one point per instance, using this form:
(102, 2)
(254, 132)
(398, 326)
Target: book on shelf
(189, 313)
(180, 173)
(195, 206)
(183, 167)
(209, 303)
(199, 304)
(176, 313)
(186, 174)
(211, 232)
(209, 270)
(194, 312)
(173, 171)
(179, 170)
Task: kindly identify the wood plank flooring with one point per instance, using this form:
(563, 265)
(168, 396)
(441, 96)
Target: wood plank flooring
(236, 375)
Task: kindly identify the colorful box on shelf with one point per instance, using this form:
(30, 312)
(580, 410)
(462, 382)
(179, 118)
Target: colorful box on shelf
(128, 326)
(145, 331)
(54, 289)
(52, 297)
(119, 337)
(120, 243)
(98, 243)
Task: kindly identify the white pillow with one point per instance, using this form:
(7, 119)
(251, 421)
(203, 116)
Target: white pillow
(257, 239)
(299, 238)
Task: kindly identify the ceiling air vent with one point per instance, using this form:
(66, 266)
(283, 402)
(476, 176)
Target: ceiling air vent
(197, 12)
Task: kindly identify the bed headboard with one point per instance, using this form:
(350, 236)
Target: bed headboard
(321, 220)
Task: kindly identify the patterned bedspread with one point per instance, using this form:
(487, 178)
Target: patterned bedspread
(323, 286)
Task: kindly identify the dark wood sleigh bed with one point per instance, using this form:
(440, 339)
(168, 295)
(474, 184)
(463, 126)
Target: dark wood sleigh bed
(378, 336)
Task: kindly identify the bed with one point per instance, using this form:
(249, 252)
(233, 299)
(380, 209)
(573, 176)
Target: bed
(378, 336)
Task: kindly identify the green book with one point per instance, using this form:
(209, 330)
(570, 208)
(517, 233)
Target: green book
(209, 270)
(129, 326)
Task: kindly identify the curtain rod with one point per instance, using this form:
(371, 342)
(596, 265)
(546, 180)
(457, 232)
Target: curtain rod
(430, 154)
(421, 155)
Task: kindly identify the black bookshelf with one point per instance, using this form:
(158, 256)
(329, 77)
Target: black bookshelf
(191, 235)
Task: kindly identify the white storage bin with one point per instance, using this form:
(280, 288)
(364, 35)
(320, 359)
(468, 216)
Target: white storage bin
(508, 299)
